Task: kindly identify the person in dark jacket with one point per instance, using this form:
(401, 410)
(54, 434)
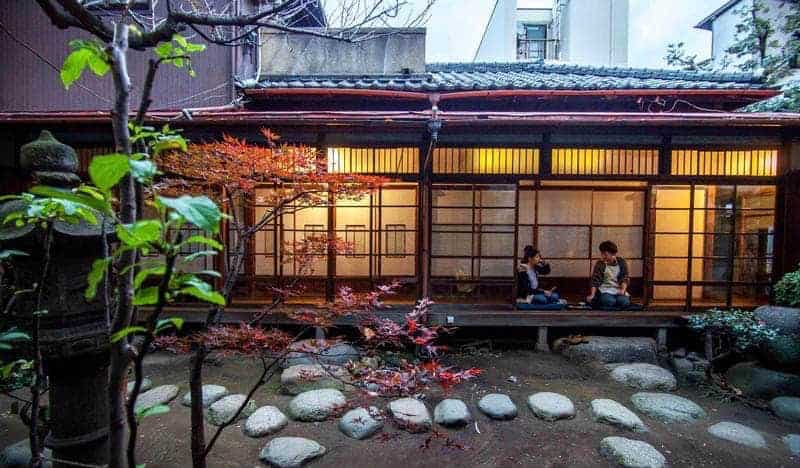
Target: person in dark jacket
(610, 279)
(531, 267)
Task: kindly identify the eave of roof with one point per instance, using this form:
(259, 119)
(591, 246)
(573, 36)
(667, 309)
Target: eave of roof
(707, 22)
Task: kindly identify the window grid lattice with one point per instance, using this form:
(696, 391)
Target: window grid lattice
(599, 161)
(759, 163)
(373, 160)
(486, 161)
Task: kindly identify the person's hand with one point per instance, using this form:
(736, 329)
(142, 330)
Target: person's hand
(548, 293)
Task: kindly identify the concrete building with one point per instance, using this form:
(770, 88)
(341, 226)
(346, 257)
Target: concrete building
(578, 31)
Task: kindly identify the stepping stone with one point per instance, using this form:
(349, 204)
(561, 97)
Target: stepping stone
(787, 408)
(631, 453)
(265, 421)
(19, 455)
(211, 393)
(792, 442)
(290, 452)
(667, 408)
(305, 377)
(644, 377)
(451, 413)
(223, 410)
(147, 384)
(609, 349)
(613, 413)
(738, 433)
(551, 406)
(320, 352)
(158, 396)
(361, 423)
(410, 414)
(316, 405)
(498, 406)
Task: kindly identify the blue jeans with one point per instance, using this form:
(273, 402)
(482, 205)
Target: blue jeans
(540, 298)
(614, 301)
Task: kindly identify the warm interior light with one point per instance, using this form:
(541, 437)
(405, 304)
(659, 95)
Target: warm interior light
(486, 161)
(603, 161)
(373, 160)
(725, 163)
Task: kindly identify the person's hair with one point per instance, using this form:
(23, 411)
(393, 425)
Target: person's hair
(609, 247)
(528, 252)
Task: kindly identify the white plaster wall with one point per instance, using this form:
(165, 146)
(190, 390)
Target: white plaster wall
(595, 32)
(499, 39)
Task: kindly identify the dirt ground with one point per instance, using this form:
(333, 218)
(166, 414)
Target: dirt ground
(525, 441)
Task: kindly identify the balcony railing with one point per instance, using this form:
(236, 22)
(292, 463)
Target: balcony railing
(537, 49)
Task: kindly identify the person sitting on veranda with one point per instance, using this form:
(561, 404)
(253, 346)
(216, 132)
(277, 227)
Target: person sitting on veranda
(531, 267)
(610, 280)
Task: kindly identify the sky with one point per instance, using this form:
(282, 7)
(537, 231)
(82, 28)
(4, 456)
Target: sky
(455, 28)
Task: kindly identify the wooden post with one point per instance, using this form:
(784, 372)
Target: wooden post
(542, 345)
(709, 345)
(661, 340)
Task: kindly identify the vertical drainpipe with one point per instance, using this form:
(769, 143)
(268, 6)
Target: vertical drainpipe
(433, 127)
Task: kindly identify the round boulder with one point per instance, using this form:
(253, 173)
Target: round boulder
(305, 377)
(667, 408)
(738, 433)
(785, 320)
(410, 414)
(498, 406)
(631, 453)
(320, 352)
(613, 413)
(265, 421)
(551, 406)
(609, 349)
(792, 442)
(762, 383)
(158, 396)
(19, 455)
(211, 393)
(316, 405)
(451, 413)
(644, 377)
(787, 408)
(361, 423)
(290, 452)
(223, 410)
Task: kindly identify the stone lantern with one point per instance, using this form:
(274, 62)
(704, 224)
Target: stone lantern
(74, 332)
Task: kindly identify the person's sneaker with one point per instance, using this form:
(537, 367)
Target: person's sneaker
(562, 301)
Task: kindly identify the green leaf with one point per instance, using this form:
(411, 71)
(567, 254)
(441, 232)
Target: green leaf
(143, 274)
(99, 268)
(146, 296)
(106, 171)
(140, 233)
(196, 255)
(162, 325)
(199, 289)
(213, 273)
(73, 66)
(91, 201)
(127, 331)
(143, 171)
(151, 411)
(202, 240)
(200, 211)
(165, 50)
(83, 54)
(171, 142)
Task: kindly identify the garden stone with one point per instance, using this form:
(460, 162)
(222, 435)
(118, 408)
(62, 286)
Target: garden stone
(792, 442)
(316, 405)
(644, 377)
(667, 408)
(19, 455)
(290, 452)
(498, 406)
(785, 320)
(361, 423)
(223, 410)
(305, 377)
(762, 383)
(551, 406)
(689, 371)
(147, 384)
(211, 393)
(738, 433)
(631, 453)
(320, 352)
(410, 414)
(787, 408)
(783, 352)
(609, 349)
(451, 413)
(158, 396)
(613, 413)
(265, 421)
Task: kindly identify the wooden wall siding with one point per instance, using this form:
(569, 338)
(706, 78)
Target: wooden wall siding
(486, 161)
(756, 163)
(373, 160)
(604, 161)
(29, 84)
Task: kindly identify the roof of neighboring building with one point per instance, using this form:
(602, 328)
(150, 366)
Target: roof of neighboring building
(451, 77)
(709, 20)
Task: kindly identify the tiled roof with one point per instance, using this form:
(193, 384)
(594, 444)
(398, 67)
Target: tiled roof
(443, 77)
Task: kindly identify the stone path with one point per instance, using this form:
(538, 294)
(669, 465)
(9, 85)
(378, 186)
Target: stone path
(452, 413)
(644, 377)
(551, 406)
(361, 423)
(224, 409)
(305, 377)
(613, 413)
(498, 406)
(316, 405)
(158, 396)
(631, 453)
(290, 452)
(211, 393)
(738, 433)
(265, 421)
(667, 408)
(410, 414)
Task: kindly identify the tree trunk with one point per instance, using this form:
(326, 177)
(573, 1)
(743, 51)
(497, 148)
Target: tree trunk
(120, 360)
(198, 428)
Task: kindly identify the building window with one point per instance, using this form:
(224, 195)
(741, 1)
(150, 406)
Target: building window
(599, 161)
(486, 161)
(355, 235)
(373, 160)
(763, 162)
(395, 240)
(532, 42)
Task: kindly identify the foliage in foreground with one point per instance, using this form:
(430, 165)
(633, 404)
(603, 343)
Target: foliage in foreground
(787, 289)
(740, 328)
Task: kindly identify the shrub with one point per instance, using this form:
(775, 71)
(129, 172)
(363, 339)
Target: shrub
(741, 327)
(787, 290)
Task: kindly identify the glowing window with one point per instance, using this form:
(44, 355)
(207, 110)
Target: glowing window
(600, 161)
(355, 235)
(725, 163)
(395, 240)
(373, 160)
(486, 161)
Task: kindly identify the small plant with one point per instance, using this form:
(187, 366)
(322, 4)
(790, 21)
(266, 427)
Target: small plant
(740, 328)
(787, 290)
